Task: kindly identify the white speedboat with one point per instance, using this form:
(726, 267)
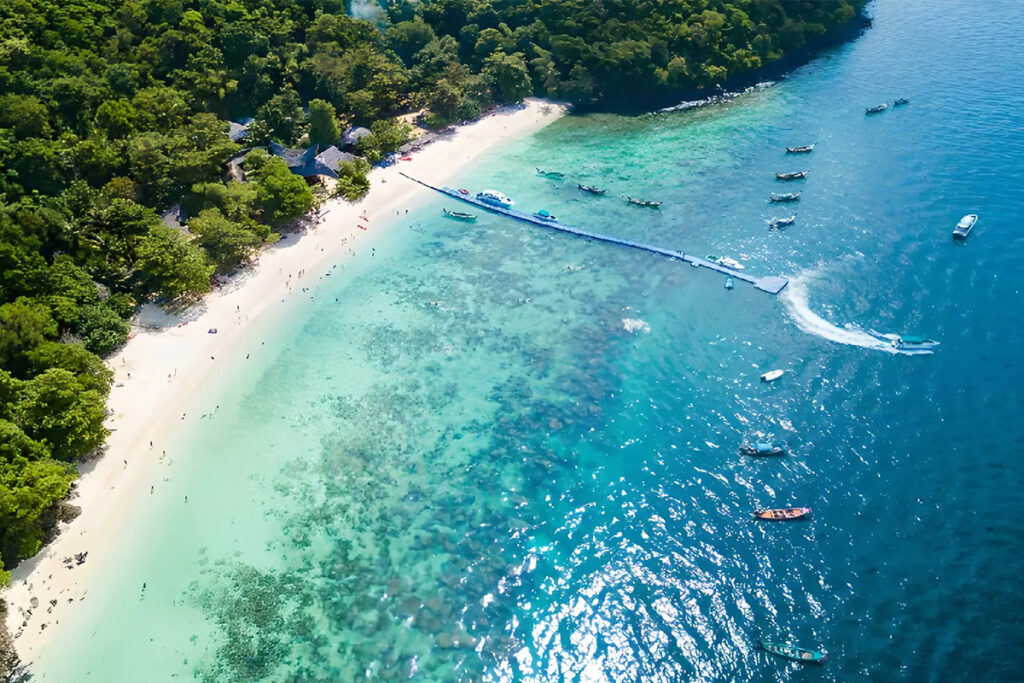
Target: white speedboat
(771, 375)
(731, 263)
(964, 227)
(494, 198)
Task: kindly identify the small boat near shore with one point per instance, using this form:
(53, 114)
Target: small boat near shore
(787, 197)
(643, 202)
(545, 216)
(805, 149)
(793, 652)
(459, 215)
(772, 375)
(779, 223)
(876, 110)
(763, 450)
(901, 100)
(792, 175)
(557, 175)
(591, 189)
(729, 283)
(964, 227)
(781, 514)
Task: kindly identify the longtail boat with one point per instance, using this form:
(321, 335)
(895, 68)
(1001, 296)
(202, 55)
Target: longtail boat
(801, 150)
(781, 514)
(793, 652)
(793, 175)
(777, 223)
(550, 174)
(459, 215)
(591, 189)
(876, 110)
(643, 202)
(901, 100)
(788, 197)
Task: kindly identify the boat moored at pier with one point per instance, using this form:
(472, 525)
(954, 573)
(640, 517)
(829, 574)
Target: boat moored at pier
(494, 198)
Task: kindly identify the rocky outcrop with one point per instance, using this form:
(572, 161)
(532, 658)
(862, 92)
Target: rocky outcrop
(8, 657)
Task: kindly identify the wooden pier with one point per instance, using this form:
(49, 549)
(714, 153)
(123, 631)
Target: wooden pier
(773, 284)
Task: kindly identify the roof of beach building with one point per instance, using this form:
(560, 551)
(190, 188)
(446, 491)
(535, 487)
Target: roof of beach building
(332, 156)
(352, 135)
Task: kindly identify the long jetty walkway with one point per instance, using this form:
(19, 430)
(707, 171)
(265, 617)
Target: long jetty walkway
(773, 284)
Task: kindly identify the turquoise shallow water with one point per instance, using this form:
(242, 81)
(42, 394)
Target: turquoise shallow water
(454, 463)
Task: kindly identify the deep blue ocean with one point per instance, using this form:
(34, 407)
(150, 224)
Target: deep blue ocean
(456, 463)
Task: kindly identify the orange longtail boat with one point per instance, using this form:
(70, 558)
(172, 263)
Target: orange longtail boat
(782, 514)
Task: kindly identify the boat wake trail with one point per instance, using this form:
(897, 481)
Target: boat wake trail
(796, 301)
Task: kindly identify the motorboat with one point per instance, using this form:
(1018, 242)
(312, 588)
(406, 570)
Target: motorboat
(793, 175)
(728, 283)
(877, 110)
(801, 150)
(964, 227)
(787, 197)
(731, 263)
(643, 202)
(459, 215)
(781, 514)
(545, 216)
(772, 375)
(777, 223)
(591, 189)
(901, 100)
(763, 449)
(793, 652)
(905, 342)
(494, 198)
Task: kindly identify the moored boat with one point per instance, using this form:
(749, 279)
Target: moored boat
(777, 223)
(762, 449)
(877, 110)
(726, 261)
(494, 198)
(771, 375)
(964, 227)
(787, 197)
(591, 189)
(801, 150)
(729, 283)
(792, 175)
(459, 215)
(794, 652)
(781, 514)
(901, 100)
(550, 174)
(545, 216)
(643, 202)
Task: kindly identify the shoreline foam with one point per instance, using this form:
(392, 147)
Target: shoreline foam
(169, 359)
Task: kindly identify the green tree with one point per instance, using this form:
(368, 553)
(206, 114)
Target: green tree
(281, 119)
(509, 75)
(26, 115)
(56, 409)
(386, 136)
(101, 329)
(323, 124)
(90, 370)
(171, 265)
(352, 181)
(24, 325)
(282, 195)
(116, 117)
(227, 242)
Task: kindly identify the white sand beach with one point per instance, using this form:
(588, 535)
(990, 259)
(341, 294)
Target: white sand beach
(169, 360)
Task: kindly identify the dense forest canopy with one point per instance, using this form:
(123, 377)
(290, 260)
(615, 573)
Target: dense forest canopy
(112, 111)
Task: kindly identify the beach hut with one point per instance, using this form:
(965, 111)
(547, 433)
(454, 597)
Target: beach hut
(328, 160)
(239, 130)
(350, 140)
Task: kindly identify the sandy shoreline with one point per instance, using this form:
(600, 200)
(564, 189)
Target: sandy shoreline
(168, 360)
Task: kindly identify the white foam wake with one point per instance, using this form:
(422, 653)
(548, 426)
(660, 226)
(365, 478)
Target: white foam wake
(797, 305)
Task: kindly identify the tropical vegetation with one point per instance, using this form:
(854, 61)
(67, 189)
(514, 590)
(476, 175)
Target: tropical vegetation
(114, 111)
